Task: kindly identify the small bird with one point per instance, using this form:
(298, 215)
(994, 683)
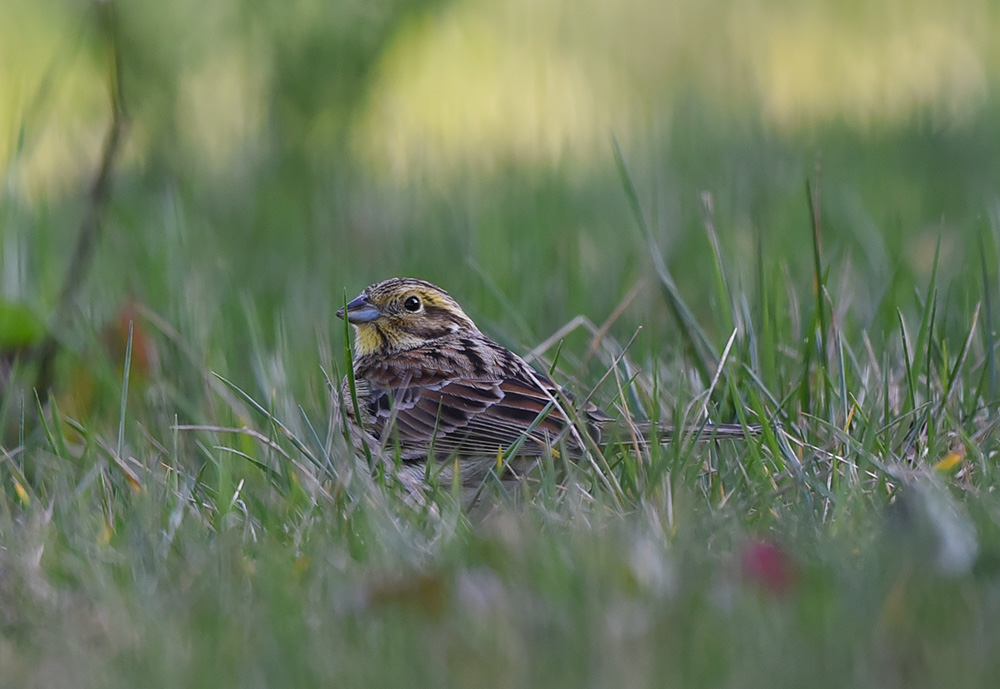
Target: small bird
(431, 385)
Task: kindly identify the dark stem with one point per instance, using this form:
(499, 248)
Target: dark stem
(90, 225)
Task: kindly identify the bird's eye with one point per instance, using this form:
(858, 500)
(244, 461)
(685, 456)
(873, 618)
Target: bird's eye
(412, 304)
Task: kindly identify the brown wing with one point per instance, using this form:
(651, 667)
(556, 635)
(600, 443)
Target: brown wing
(431, 411)
(467, 418)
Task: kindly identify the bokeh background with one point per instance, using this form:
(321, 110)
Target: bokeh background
(281, 155)
(160, 527)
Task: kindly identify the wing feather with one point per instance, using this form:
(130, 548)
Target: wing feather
(445, 410)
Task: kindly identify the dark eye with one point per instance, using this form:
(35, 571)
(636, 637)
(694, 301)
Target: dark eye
(412, 304)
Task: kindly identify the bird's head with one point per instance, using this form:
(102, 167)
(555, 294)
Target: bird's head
(399, 314)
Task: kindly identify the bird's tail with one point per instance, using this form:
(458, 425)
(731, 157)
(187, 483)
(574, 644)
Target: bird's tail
(646, 430)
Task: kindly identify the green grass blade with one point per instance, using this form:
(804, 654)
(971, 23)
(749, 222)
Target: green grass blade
(705, 358)
(911, 400)
(812, 194)
(352, 386)
(124, 395)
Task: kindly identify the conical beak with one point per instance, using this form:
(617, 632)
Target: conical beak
(360, 310)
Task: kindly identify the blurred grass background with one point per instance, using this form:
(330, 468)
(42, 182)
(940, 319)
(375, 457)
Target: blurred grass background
(280, 156)
(292, 151)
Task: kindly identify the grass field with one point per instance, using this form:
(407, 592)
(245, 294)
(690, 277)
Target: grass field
(183, 510)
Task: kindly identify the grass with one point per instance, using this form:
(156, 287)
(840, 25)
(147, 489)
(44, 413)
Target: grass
(206, 532)
(184, 509)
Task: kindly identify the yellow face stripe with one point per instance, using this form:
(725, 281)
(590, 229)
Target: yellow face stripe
(367, 340)
(370, 338)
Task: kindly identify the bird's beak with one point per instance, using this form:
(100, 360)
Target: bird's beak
(360, 310)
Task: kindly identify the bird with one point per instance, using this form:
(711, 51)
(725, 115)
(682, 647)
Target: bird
(436, 394)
